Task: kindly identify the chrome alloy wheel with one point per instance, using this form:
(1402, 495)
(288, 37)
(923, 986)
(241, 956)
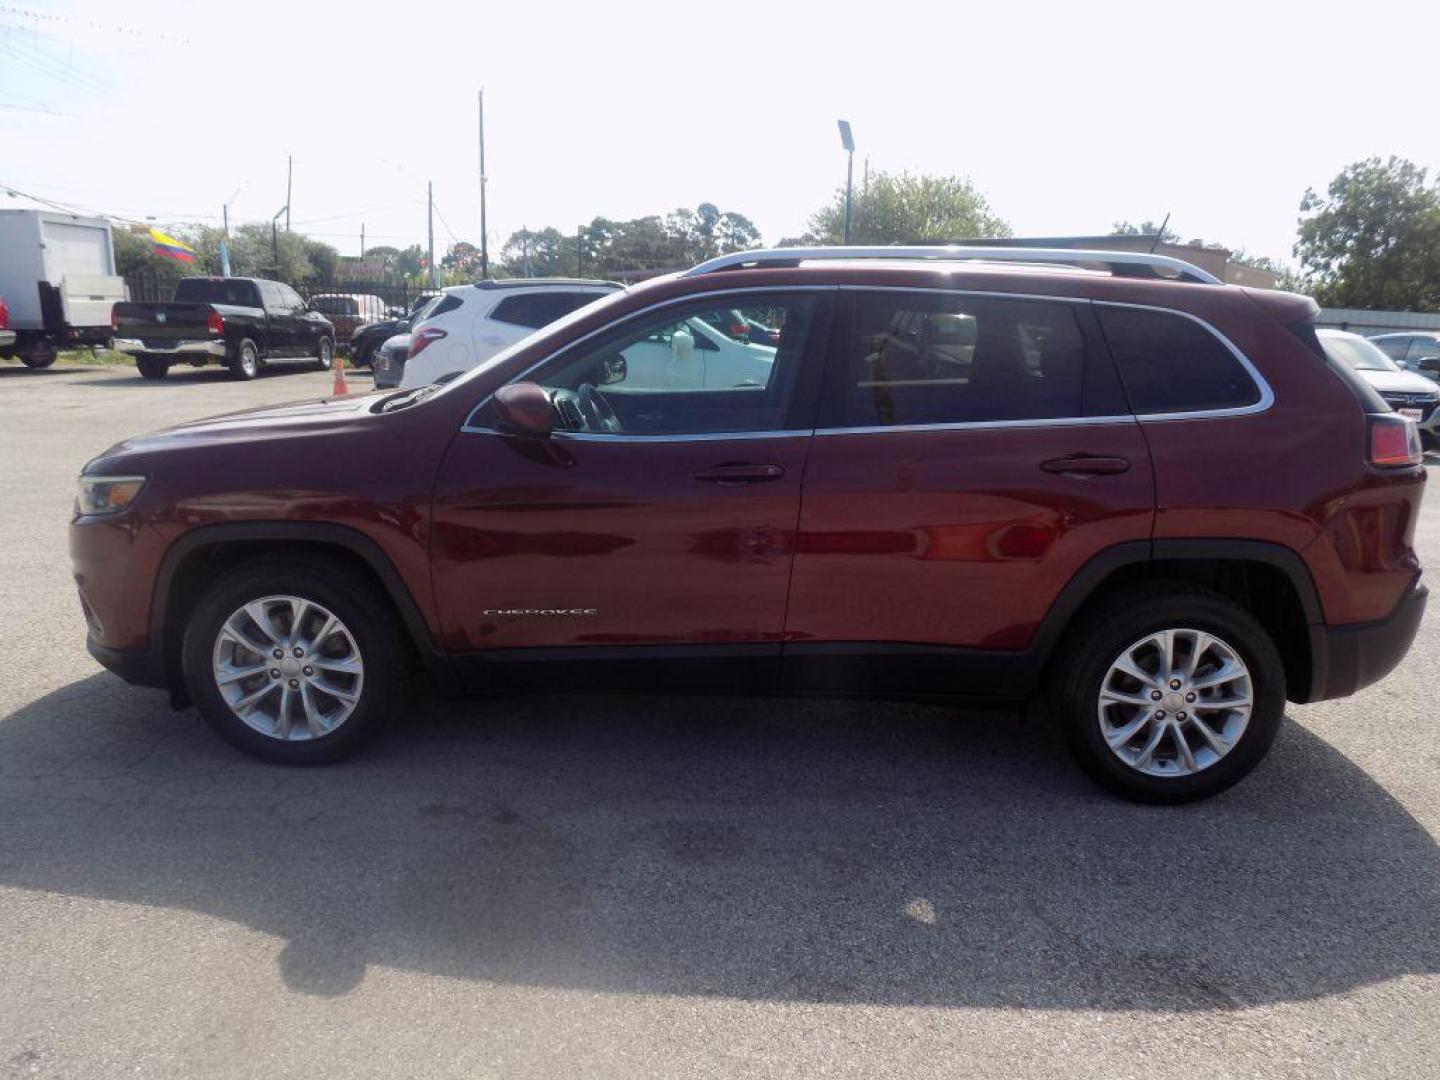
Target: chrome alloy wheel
(1174, 703)
(288, 668)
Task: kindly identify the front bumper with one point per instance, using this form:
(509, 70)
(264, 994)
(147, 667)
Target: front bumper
(172, 348)
(1349, 658)
(136, 668)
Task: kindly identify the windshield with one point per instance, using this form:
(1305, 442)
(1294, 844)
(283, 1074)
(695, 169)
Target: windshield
(234, 291)
(334, 305)
(1356, 351)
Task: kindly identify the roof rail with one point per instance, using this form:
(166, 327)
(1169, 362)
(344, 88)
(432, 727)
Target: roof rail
(1120, 263)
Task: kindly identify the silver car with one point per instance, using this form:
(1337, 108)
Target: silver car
(1407, 392)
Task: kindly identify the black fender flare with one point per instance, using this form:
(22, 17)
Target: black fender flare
(1082, 587)
(341, 536)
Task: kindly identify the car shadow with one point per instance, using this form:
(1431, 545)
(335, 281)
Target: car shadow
(763, 850)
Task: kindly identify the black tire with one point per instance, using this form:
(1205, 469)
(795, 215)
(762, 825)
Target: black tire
(325, 354)
(1105, 632)
(40, 355)
(365, 611)
(152, 367)
(360, 355)
(244, 362)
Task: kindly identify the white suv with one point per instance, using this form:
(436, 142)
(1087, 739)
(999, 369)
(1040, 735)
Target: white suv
(471, 323)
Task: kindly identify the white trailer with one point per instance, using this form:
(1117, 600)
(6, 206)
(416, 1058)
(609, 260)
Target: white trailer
(57, 276)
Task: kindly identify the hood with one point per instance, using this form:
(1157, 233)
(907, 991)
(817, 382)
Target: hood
(294, 420)
(1398, 382)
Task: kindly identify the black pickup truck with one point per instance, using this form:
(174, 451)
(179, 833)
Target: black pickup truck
(239, 322)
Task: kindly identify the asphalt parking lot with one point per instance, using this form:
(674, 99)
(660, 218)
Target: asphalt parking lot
(629, 887)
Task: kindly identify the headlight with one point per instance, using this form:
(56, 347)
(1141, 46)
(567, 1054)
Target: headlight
(106, 494)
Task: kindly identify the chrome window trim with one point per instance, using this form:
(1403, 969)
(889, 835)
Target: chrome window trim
(630, 437)
(469, 428)
(983, 425)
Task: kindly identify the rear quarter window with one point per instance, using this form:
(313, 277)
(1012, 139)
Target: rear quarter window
(539, 309)
(1172, 364)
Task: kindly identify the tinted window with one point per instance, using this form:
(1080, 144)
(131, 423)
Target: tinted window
(236, 291)
(292, 298)
(539, 309)
(653, 376)
(916, 358)
(271, 294)
(1169, 363)
(441, 305)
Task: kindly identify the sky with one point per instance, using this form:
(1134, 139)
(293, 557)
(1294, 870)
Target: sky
(1067, 116)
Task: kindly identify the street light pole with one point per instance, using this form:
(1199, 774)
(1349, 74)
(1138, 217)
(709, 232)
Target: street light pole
(847, 140)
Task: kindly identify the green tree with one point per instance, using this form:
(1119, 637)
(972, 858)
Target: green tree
(906, 208)
(1373, 240)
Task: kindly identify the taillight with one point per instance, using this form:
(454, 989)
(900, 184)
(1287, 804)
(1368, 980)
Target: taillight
(5, 315)
(1394, 440)
(422, 338)
(215, 323)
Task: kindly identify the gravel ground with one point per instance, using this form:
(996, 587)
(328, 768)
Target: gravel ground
(632, 887)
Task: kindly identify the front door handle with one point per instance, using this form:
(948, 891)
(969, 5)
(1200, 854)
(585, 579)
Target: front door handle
(1086, 465)
(734, 472)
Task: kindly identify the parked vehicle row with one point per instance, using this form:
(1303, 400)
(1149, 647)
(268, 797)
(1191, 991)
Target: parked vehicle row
(1156, 499)
(1410, 394)
(368, 338)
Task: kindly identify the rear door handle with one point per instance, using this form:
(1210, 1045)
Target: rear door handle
(1086, 465)
(739, 473)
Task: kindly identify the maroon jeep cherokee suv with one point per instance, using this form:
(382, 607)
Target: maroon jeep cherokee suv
(975, 472)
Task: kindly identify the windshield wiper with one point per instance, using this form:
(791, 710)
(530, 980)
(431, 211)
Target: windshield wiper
(419, 394)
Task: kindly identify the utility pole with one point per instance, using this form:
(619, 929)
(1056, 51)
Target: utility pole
(225, 210)
(484, 243)
(525, 250)
(580, 251)
(289, 173)
(362, 239)
(430, 203)
(847, 140)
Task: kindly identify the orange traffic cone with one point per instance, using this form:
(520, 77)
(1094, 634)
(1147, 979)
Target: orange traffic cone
(339, 389)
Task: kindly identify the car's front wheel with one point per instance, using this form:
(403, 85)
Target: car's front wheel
(1170, 692)
(295, 662)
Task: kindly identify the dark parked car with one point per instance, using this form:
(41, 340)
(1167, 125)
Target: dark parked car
(1157, 502)
(1416, 350)
(240, 322)
(368, 338)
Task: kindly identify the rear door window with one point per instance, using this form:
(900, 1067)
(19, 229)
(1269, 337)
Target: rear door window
(915, 358)
(1173, 364)
(539, 309)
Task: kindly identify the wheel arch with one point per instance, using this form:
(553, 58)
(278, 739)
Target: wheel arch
(1271, 581)
(199, 556)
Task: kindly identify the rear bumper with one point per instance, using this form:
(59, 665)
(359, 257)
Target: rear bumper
(7, 338)
(1349, 658)
(172, 348)
(136, 668)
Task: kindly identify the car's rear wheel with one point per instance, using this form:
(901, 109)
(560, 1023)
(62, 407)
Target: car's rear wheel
(325, 354)
(152, 367)
(245, 360)
(39, 355)
(1170, 692)
(295, 662)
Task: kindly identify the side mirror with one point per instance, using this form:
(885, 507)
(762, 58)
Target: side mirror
(613, 369)
(523, 408)
(398, 313)
(1429, 363)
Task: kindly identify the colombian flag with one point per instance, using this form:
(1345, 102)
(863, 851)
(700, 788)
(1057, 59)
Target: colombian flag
(171, 248)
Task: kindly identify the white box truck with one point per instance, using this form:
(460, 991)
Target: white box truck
(57, 277)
